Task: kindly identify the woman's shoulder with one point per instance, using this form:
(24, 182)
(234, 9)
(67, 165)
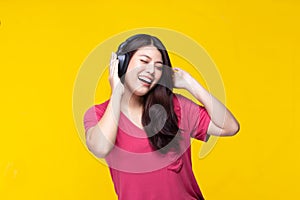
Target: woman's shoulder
(96, 108)
(184, 104)
(104, 104)
(180, 100)
(179, 103)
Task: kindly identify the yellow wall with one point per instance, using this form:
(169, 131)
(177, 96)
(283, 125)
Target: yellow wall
(254, 45)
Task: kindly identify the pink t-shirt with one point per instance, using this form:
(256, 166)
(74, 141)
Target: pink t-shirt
(138, 172)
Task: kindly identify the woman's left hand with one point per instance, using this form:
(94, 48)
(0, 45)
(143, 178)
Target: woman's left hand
(181, 78)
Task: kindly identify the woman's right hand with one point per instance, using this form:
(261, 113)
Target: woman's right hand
(114, 80)
(101, 138)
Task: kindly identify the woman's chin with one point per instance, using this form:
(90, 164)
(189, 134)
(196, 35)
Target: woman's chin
(141, 89)
(141, 92)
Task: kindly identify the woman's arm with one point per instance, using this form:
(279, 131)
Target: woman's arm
(101, 138)
(222, 123)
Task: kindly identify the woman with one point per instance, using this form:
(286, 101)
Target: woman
(143, 131)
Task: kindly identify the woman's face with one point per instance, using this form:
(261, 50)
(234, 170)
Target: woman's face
(144, 70)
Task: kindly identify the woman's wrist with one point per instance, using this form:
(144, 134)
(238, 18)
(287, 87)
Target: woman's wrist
(117, 91)
(190, 84)
(198, 91)
(116, 96)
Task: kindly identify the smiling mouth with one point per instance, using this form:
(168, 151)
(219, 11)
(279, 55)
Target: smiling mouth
(145, 79)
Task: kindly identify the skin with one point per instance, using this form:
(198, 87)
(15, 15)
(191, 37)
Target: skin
(145, 63)
(127, 98)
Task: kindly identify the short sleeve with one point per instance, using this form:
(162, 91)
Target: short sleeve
(199, 124)
(93, 115)
(194, 118)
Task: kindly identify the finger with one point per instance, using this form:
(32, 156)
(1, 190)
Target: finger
(116, 68)
(115, 55)
(112, 63)
(176, 69)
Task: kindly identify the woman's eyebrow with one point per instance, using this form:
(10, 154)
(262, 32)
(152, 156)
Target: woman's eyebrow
(151, 58)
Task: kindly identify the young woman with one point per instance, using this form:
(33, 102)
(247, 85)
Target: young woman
(143, 131)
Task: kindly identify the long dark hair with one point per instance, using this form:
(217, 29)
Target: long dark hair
(159, 119)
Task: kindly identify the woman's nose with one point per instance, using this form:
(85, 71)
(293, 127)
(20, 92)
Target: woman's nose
(150, 68)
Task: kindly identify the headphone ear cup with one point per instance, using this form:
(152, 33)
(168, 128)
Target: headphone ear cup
(123, 65)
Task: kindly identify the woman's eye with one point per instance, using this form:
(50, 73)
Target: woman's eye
(159, 67)
(143, 61)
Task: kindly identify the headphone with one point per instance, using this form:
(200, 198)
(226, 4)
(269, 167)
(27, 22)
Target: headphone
(123, 65)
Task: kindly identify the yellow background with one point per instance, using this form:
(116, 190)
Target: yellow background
(255, 46)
